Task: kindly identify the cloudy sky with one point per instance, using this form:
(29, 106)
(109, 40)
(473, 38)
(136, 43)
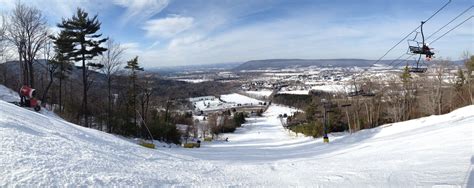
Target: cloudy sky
(182, 32)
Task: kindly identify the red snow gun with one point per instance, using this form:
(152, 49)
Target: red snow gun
(28, 98)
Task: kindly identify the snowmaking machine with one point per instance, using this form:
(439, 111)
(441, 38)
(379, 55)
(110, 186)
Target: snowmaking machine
(28, 98)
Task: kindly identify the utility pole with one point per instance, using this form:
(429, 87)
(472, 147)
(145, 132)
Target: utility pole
(327, 106)
(325, 135)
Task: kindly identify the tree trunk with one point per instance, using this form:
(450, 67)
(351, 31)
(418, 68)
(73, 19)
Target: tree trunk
(84, 81)
(31, 74)
(109, 105)
(43, 98)
(348, 121)
(470, 89)
(134, 102)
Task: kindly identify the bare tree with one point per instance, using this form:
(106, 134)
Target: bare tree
(3, 48)
(50, 67)
(146, 91)
(441, 71)
(212, 124)
(469, 63)
(3, 45)
(28, 31)
(112, 61)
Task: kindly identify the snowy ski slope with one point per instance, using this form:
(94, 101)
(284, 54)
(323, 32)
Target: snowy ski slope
(43, 150)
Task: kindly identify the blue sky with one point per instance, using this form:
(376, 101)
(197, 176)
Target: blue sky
(182, 32)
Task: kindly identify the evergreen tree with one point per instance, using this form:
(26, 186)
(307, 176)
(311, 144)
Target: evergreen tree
(460, 80)
(408, 95)
(406, 76)
(82, 32)
(62, 46)
(469, 63)
(134, 67)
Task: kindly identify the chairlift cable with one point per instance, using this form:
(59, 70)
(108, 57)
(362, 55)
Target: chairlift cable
(441, 28)
(438, 11)
(451, 30)
(399, 57)
(405, 60)
(455, 18)
(403, 39)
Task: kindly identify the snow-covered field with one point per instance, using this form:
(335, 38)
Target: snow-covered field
(240, 99)
(43, 150)
(295, 92)
(211, 103)
(194, 80)
(331, 88)
(260, 93)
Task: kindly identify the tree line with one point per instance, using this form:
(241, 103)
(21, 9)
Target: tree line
(444, 88)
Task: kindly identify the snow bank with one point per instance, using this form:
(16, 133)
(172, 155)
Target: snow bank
(41, 150)
(6, 94)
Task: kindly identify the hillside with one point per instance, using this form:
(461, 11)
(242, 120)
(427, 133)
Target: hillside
(43, 150)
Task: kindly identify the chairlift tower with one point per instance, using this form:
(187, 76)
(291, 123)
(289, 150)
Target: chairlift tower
(327, 106)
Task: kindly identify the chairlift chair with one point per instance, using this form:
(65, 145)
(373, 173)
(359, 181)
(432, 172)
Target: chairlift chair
(421, 48)
(418, 69)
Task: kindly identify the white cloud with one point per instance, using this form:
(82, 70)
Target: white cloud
(130, 45)
(167, 27)
(131, 49)
(184, 41)
(290, 38)
(140, 10)
(7, 4)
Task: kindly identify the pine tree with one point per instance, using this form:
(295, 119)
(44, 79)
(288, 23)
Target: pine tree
(406, 76)
(81, 31)
(62, 46)
(460, 80)
(469, 63)
(134, 67)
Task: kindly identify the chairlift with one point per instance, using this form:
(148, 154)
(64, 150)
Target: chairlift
(419, 48)
(416, 47)
(417, 68)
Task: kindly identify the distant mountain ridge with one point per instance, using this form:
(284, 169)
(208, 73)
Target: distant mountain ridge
(292, 63)
(301, 63)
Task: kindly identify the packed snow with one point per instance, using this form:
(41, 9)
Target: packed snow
(44, 150)
(6, 94)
